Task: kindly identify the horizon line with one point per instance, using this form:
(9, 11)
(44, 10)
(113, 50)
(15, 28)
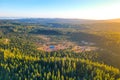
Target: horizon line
(53, 18)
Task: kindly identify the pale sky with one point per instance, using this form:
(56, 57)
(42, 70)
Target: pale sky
(80, 9)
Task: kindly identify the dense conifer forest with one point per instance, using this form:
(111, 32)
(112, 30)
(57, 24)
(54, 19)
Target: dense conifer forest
(21, 60)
